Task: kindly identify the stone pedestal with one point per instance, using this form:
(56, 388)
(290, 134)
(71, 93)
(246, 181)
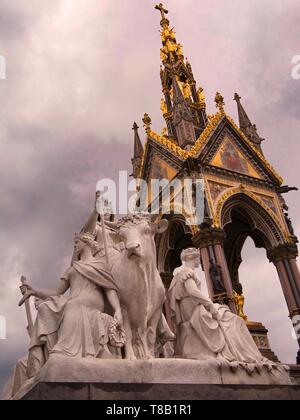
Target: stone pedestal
(158, 392)
(157, 379)
(260, 336)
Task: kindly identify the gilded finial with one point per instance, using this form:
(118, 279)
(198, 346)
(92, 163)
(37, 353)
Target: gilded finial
(135, 126)
(237, 97)
(147, 122)
(220, 104)
(171, 51)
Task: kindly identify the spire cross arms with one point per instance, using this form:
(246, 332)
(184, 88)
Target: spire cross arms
(237, 97)
(162, 10)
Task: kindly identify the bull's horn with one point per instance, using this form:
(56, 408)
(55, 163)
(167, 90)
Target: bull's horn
(159, 227)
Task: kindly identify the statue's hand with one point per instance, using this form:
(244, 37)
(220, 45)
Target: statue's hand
(118, 316)
(27, 291)
(26, 288)
(215, 313)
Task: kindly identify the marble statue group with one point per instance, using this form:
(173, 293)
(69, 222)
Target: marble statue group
(109, 304)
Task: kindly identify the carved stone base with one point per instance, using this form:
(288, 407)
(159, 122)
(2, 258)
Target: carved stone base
(155, 378)
(260, 336)
(158, 392)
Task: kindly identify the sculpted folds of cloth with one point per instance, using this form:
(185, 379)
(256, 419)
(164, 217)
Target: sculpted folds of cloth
(207, 331)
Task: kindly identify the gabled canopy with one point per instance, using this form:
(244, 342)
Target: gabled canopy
(222, 138)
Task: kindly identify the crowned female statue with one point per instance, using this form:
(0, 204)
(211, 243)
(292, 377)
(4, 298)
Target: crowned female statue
(206, 330)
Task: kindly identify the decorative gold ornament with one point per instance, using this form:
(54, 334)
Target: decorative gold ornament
(184, 154)
(179, 50)
(164, 132)
(169, 144)
(163, 106)
(167, 33)
(147, 123)
(239, 300)
(201, 96)
(171, 46)
(220, 104)
(186, 90)
(163, 54)
(171, 92)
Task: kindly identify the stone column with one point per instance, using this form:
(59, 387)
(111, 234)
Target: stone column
(295, 271)
(221, 260)
(205, 263)
(284, 258)
(210, 240)
(286, 288)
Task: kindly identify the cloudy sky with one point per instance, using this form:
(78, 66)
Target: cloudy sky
(79, 72)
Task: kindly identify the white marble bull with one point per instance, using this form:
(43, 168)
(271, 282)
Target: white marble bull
(142, 293)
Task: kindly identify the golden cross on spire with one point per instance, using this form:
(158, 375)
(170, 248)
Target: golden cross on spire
(162, 10)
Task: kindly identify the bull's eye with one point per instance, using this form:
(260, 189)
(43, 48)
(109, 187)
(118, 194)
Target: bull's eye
(147, 230)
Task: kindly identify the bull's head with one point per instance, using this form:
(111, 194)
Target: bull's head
(137, 233)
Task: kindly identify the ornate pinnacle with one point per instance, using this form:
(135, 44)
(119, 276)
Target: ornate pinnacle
(220, 104)
(237, 97)
(135, 126)
(147, 123)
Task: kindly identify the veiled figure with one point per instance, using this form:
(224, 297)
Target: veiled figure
(205, 330)
(77, 324)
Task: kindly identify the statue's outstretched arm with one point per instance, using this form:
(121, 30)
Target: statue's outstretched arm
(63, 286)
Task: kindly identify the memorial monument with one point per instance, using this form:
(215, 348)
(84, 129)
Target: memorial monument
(128, 319)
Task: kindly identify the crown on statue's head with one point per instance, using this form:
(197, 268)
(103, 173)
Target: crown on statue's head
(189, 253)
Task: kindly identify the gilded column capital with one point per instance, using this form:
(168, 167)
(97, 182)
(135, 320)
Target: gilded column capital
(208, 235)
(281, 252)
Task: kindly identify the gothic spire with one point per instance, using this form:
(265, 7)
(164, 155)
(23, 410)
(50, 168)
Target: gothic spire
(182, 117)
(138, 151)
(171, 51)
(175, 65)
(246, 125)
